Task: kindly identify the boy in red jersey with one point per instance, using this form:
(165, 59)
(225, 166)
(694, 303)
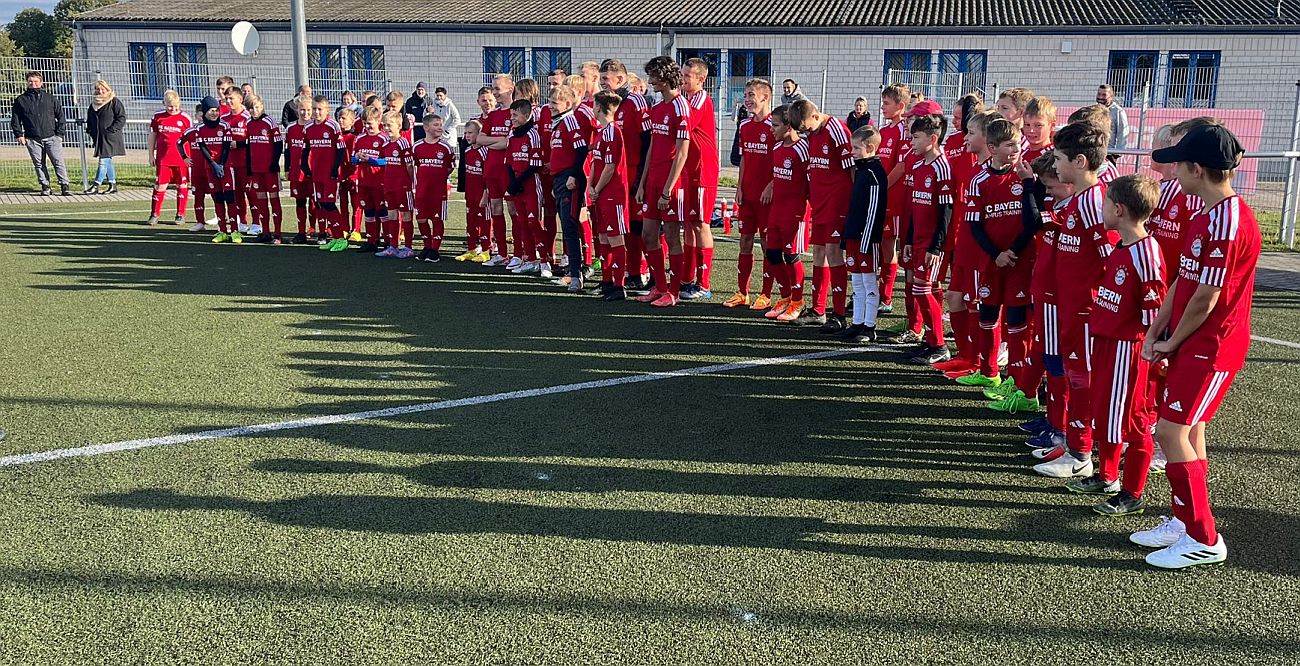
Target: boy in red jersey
(399, 180)
(568, 154)
(1012, 103)
(1098, 117)
(435, 160)
(368, 157)
(1132, 289)
(701, 174)
(525, 190)
(661, 192)
(209, 145)
(634, 124)
(236, 118)
(348, 208)
(168, 159)
(1206, 319)
(1005, 233)
(478, 226)
(322, 162)
(756, 143)
(496, 138)
(960, 279)
(608, 194)
(1038, 123)
(929, 211)
(830, 185)
(1082, 245)
(295, 146)
(895, 142)
(863, 226)
(787, 219)
(265, 147)
(395, 105)
(1176, 208)
(529, 89)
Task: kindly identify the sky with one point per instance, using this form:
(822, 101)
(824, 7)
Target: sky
(10, 7)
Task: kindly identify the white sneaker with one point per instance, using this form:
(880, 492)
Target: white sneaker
(1049, 453)
(1188, 552)
(1166, 534)
(1158, 461)
(199, 226)
(1004, 355)
(525, 268)
(255, 229)
(544, 270)
(1065, 467)
(243, 228)
(496, 260)
(211, 226)
(515, 262)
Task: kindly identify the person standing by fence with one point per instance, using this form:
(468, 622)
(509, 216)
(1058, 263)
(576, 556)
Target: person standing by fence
(446, 109)
(860, 116)
(104, 124)
(37, 123)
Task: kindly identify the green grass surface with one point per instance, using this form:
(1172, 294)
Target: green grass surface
(851, 510)
(19, 176)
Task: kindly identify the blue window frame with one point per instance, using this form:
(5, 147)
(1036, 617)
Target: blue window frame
(909, 67)
(960, 72)
(325, 70)
(503, 60)
(1193, 79)
(149, 69)
(743, 65)
(548, 60)
(1130, 73)
(711, 56)
(190, 62)
(366, 68)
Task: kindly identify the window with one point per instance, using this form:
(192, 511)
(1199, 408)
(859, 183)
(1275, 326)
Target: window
(498, 60)
(1193, 79)
(909, 67)
(960, 72)
(149, 65)
(157, 67)
(546, 61)
(1130, 73)
(325, 70)
(191, 65)
(711, 56)
(742, 66)
(366, 69)
(330, 74)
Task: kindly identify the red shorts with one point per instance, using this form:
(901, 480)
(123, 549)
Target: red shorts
(893, 227)
(497, 176)
(370, 198)
(1047, 329)
(611, 217)
(1193, 390)
(528, 203)
(787, 229)
(173, 175)
(202, 182)
(300, 189)
(753, 216)
(1072, 336)
(1123, 405)
(1005, 286)
(431, 202)
(264, 182)
(238, 173)
(400, 201)
(700, 202)
(830, 211)
(922, 273)
(325, 191)
(961, 279)
(860, 261)
(654, 188)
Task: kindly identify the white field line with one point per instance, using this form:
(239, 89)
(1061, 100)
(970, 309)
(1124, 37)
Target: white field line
(244, 431)
(19, 216)
(1275, 341)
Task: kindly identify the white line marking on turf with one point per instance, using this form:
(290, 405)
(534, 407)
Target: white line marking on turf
(19, 216)
(1275, 341)
(243, 431)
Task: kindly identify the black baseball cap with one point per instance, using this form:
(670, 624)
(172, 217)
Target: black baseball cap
(1212, 147)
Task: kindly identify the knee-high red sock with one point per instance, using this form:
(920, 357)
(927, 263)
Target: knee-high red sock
(689, 264)
(888, 275)
(1137, 464)
(821, 278)
(257, 213)
(434, 242)
(635, 256)
(655, 256)
(931, 314)
(200, 213)
(988, 348)
(1188, 484)
(408, 231)
(335, 220)
(796, 276)
(223, 219)
(913, 308)
(839, 288)
(587, 257)
(518, 234)
(158, 196)
(358, 217)
(782, 275)
(301, 211)
(768, 276)
(426, 234)
(372, 231)
(675, 280)
(499, 233)
(958, 320)
(391, 228)
(744, 268)
(541, 248)
(318, 220)
(616, 266)
(277, 213)
(1017, 346)
(182, 200)
(1057, 399)
(706, 268)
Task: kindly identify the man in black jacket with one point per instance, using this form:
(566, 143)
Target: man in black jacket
(37, 122)
(289, 115)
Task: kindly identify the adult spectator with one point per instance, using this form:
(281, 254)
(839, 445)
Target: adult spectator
(417, 105)
(790, 92)
(104, 124)
(348, 100)
(446, 109)
(37, 123)
(860, 116)
(1118, 118)
(556, 79)
(247, 88)
(289, 115)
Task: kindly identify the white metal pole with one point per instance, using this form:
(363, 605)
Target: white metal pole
(1289, 194)
(298, 31)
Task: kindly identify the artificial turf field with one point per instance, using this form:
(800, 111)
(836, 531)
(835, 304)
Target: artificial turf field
(841, 510)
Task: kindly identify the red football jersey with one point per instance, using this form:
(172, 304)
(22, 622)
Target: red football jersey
(398, 159)
(756, 145)
(263, 133)
(894, 144)
(209, 138)
(349, 170)
(1082, 245)
(670, 122)
(295, 141)
(1220, 249)
(632, 118)
(367, 147)
(324, 140)
(238, 124)
(475, 160)
(497, 125)
(702, 159)
(995, 202)
(929, 186)
(1029, 154)
(525, 151)
(567, 135)
(1042, 286)
(169, 129)
(1132, 289)
(1107, 172)
(789, 179)
(1174, 211)
(543, 118)
(830, 157)
(434, 162)
(963, 164)
(607, 153)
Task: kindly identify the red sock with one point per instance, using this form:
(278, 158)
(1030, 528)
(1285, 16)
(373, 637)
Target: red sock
(318, 219)
(688, 263)
(222, 220)
(158, 196)
(257, 211)
(277, 213)
(706, 268)
(391, 227)
(768, 275)
(425, 234)
(1188, 484)
(958, 320)
(301, 211)
(796, 276)
(586, 243)
(635, 256)
(1137, 465)
(932, 315)
(372, 231)
(358, 216)
(675, 281)
(744, 268)
(335, 220)
(988, 348)
(182, 200)
(200, 213)
(1017, 346)
(438, 228)
(1029, 376)
(783, 274)
(887, 277)
(1057, 399)
(499, 233)
(408, 230)
(616, 265)
(914, 322)
(839, 288)
(655, 256)
(821, 279)
(518, 231)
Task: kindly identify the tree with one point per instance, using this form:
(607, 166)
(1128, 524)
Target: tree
(8, 49)
(66, 9)
(36, 33)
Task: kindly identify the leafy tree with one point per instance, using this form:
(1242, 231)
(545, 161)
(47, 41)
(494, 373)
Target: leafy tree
(8, 49)
(66, 9)
(36, 33)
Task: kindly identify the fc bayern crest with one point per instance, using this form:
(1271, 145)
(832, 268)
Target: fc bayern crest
(1069, 222)
(984, 292)
(1173, 213)
(826, 150)
(788, 163)
(1120, 276)
(929, 182)
(762, 137)
(849, 260)
(1017, 189)
(1196, 247)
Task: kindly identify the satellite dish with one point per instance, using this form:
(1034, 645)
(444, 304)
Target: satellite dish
(245, 38)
